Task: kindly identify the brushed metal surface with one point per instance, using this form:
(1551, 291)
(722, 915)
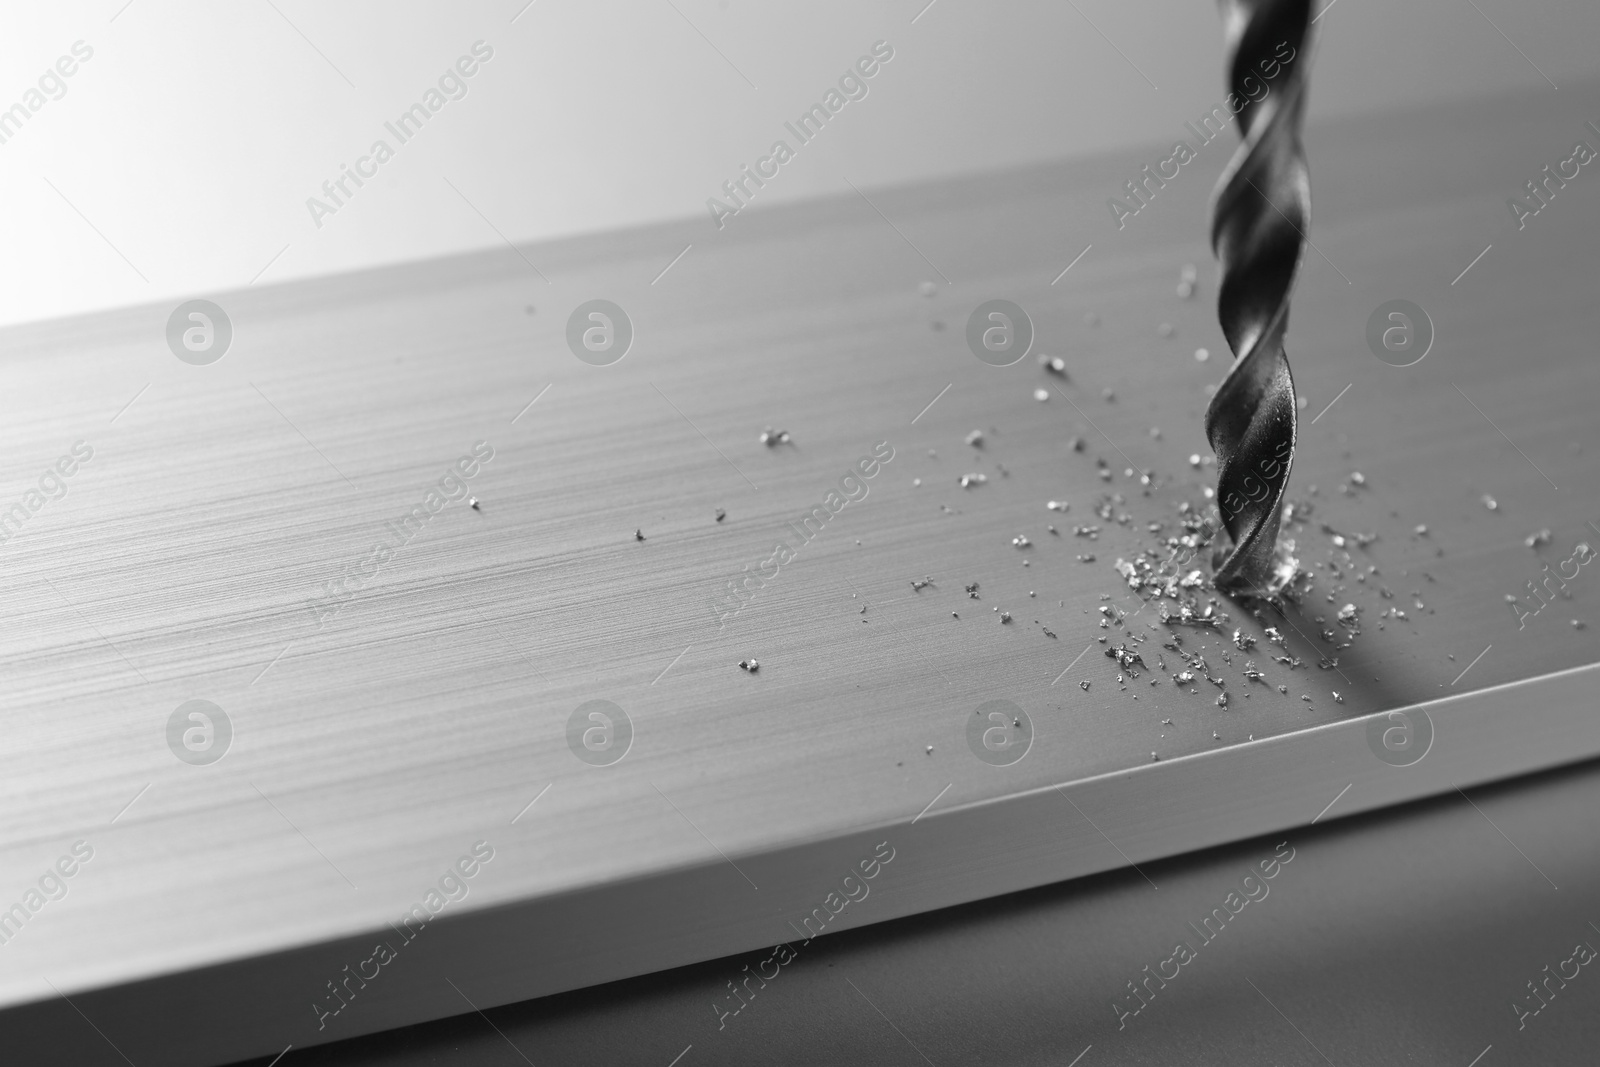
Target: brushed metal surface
(369, 754)
(1400, 936)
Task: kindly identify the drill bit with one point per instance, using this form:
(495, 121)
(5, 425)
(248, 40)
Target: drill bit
(1259, 214)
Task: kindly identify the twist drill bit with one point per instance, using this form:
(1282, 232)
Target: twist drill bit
(1259, 214)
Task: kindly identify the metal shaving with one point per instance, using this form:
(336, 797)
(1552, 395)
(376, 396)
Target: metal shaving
(1126, 658)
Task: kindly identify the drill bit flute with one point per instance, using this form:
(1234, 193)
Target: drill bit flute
(1259, 214)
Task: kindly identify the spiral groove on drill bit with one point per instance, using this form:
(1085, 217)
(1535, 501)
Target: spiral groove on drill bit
(1259, 214)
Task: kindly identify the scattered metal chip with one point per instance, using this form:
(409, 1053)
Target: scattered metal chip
(1021, 541)
(749, 665)
(1084, 684)
(1537, 538)
(917, 586)
(773, 438)
(967, 481)
(975, 438)
(472, 502)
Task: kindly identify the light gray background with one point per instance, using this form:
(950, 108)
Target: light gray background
(194, 136)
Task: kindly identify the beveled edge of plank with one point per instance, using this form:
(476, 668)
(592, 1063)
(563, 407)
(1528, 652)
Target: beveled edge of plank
(936, 858)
